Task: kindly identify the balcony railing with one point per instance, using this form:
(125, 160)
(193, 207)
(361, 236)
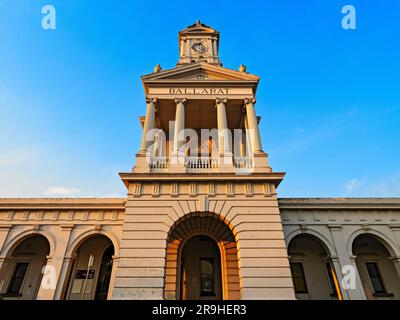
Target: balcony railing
(243, 163)
(158, 163)
(199, 164)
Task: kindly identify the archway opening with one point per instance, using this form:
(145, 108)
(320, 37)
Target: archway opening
(200, 269)
(202, 259)
(22, 274)
(90, 272)
(377, 271)
(313, 273)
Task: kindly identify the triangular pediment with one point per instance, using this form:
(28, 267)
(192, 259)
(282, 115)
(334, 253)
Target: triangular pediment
(200, 72)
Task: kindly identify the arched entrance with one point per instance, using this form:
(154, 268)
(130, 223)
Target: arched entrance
(200, 269)
(376, 268)
(90, 272)
(312, 271)
(202, 259)
(22, 274)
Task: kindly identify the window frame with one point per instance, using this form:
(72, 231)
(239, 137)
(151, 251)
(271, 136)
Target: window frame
(202, 293)
(301, 263)
(12, 275)
(376, 263)
(331, 280)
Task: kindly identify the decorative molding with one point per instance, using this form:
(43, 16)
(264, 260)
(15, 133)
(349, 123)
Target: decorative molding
(366, 227)
(137, 189)
(156, 190)
(193, 189)
(211, 189)
(250, 100)
(248, 189)
(267, 189)
(230, 189)
(303, 228)
(67, 227)
(180, 100)
(149, 100)
(221, 100)
(174, 189)
(300, 215)
(335, 227)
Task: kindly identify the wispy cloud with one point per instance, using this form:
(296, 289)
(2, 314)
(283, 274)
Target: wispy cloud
(353, 185)
(18, 156)
(61, 191)
(388, 186)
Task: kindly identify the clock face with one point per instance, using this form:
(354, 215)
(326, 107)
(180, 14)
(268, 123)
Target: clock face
(199, 47)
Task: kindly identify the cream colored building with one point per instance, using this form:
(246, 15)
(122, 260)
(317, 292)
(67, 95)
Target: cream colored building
(201, 219)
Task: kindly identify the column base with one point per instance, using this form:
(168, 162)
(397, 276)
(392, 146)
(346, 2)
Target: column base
(260, 162)
(226, 163)
(177, 163)
(142, 163)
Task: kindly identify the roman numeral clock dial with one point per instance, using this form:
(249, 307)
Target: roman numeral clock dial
(199, 47)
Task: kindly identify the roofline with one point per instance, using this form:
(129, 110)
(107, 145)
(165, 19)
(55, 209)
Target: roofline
(62, 203)
(339, 203)
(192, 65)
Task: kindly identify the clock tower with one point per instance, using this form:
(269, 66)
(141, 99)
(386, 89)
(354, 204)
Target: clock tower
(198, 43)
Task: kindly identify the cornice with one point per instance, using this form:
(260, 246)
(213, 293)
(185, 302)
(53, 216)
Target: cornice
(339, 203)
(275, 177)
(62, 203)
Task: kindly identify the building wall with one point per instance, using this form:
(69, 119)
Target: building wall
(337, 222)
(66, 224)
(139, 229)
(251, 213)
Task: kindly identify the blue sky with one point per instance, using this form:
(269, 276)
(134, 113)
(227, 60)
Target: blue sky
(70, 98)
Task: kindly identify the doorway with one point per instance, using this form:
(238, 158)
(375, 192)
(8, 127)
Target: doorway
(201, 270)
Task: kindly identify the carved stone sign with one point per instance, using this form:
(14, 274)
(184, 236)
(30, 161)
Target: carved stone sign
(198, 91)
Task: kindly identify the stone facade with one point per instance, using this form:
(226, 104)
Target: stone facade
(201, 219)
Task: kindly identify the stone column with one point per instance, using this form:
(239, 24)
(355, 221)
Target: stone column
(149, 122)
(115, 260)
(178, 155)
(339, 276)
(346, 259)
(253, 125)
(224, 143)
(260, 161)
(396, 263)
(3, 272)
(142, 157)
(248, 147)
(56, 267)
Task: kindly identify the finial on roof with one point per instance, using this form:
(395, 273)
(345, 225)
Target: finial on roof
(242, 68)
(198, 23)
(157, 68)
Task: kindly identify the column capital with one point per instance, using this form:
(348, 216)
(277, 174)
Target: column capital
(151, 100)
(221, 100)
(180, 100)
(250, 100)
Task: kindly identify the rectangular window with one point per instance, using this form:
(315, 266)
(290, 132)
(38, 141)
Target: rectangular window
(299, 279)
(375, 276)
(18, 277)
(330, 271)
(207, 277)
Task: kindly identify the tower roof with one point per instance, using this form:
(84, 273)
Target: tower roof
(198, 43)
